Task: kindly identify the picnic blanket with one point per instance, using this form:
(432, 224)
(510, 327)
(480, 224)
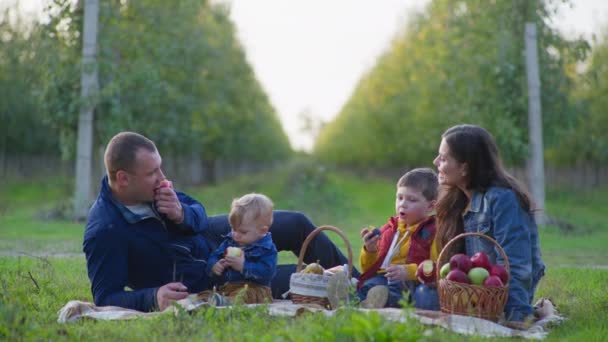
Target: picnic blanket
(75, 310)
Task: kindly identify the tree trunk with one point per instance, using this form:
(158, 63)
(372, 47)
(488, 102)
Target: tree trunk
(536, 176)
(88, 93)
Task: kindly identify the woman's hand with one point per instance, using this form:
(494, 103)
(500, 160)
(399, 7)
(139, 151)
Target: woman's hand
(370, 240)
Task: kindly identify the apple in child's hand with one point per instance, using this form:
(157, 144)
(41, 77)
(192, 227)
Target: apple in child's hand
(376, 231)
(445, 269)
(478, 275)
(480, 259)
(458, 276)
(234, 251)
(461, 262)
(426, 272)
(493, 281)
(501, 272)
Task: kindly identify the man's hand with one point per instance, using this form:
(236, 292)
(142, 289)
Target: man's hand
(396, 273)
(370, 240)
(219, 267)
(167, 203)
(170, 292)
(236, 262)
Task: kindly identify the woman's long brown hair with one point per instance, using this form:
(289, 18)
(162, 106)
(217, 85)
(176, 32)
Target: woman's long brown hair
(474, 146)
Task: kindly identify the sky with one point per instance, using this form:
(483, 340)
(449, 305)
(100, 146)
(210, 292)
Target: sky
(309, 54)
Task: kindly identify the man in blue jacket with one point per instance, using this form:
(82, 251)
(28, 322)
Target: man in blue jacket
(147, 244)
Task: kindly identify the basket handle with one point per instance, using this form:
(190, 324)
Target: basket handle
(313, 234)
(460, 236)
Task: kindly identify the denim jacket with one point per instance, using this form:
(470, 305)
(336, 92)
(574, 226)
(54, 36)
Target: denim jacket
(260, 261)
(498, 214)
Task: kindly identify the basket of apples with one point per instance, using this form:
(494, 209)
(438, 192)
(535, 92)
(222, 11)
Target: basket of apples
(309, 285)
(472, 285)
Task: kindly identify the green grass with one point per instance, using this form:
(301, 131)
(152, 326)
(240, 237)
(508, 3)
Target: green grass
(34, 288)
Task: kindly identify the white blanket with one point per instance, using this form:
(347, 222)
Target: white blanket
(75, 310)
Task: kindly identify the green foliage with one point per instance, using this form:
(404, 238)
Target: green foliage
(172, 71)
(585, 141)
(457, 62)
(22, 128)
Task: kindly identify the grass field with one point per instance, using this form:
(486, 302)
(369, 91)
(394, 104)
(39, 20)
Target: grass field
(42, 268)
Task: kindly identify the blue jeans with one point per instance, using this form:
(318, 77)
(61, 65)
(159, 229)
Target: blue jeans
(426, 297)
(395, 290)
(289, 230)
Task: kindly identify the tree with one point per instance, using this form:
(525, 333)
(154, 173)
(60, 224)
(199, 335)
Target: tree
(88, 91)
(457, 62)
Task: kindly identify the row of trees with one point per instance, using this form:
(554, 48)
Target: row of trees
(172, 71)
(463, 61)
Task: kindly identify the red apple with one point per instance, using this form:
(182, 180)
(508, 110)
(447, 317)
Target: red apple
(480, 259)
(501, 272)
(493, 281)
(165, 184)
(461, 262)
(458, 276)
(426, 272)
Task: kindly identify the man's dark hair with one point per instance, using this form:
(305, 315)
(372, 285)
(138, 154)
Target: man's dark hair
(423, 180)
(122, 149)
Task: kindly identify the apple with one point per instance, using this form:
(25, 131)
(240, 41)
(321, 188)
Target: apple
(478, 275)
(314, 268)
(445, 269)
(426, 272)
(461, 262)
(501, 272)
(234, 251)
(376, 231)
(458, 276)
(165, 184)
(493, 281)
(480, 259)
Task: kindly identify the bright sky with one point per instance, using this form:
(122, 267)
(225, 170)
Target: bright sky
(309, 54)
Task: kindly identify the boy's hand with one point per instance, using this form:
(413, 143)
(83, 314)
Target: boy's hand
(370, 239)
(396, 273)
(236, 262)
(219, 267)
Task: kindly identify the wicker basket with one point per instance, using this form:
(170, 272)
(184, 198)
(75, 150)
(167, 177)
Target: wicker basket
(472, 300)
(309, 288)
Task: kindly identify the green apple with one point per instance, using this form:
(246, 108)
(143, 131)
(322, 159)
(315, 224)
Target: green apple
(445, 269)
(478, 275)
(233, 251)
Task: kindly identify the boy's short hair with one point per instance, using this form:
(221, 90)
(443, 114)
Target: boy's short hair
(422, 179)
(121, 152)
(255, 205)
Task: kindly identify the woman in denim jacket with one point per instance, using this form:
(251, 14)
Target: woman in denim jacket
(478, 195)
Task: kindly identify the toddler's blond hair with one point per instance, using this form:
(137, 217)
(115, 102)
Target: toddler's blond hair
(255, 206)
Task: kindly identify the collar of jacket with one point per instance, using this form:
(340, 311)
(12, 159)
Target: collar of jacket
(263, 242)
(128, 215)
(476, 201)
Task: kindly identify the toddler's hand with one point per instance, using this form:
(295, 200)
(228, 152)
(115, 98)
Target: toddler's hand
(236, 262)
(370, 239)
(219, 267)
